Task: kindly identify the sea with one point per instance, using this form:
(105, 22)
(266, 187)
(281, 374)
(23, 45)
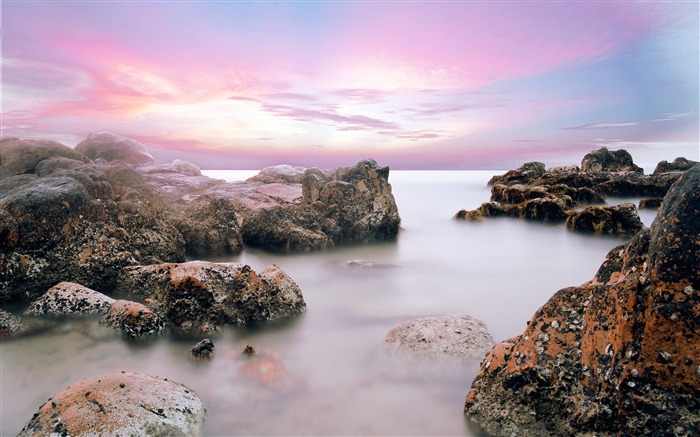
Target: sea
(326, 372)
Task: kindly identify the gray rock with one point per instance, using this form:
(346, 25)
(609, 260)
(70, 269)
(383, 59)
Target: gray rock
(111, 147)
(67, 298)
(455, 336)
(20, 156)
(203, 349)
(120, 404)
(603, 160)
(678, 164)
(283, 173)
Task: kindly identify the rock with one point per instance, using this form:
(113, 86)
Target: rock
(68, 298)
(456, 336)
(111, 147)
(653, 203)
(186, 168)
(209, 227)
(603, 160)
(20, 156)
(286, 230)
(120, 403)
(248, 350)
(614, 356)
(10, 325)
(522, 175)
(621, 219)
(678, 164)
(285, 174)
(132, 319)
(202, 295)
(203, 349)
(367, 264)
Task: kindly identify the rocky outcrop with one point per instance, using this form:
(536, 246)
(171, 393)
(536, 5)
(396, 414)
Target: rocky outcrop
(523, 174)
(615, 356)
(111, 147)
(604, 160)
(622, 219)
(10, 325)
(120, 403)
(202, 296)
(431, 337)
(68, 298)
(678, 164)
(133, 319)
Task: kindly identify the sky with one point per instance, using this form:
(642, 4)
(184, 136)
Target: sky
(412, 84)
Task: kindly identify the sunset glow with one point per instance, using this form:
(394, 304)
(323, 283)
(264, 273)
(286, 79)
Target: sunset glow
(412, 84)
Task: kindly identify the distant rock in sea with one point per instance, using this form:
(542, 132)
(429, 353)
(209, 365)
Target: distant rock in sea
(617, 355)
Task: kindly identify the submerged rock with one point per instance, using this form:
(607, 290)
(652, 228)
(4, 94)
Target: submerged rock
(68, 298)
(203, 295)
(615, 356)
(132, 319)
(203, 349)
(367, 264)
(10, 325)
(456, 336)
(120, 403)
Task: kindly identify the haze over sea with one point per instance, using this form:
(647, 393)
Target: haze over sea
(328, 373)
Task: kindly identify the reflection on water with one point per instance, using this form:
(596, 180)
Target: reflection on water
(326, 373)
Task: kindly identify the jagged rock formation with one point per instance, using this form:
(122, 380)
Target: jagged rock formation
(202, 296)
(617, 355)
(120, 403)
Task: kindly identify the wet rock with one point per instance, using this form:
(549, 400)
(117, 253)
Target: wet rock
(10, 325)
(120, 403)
(20, 156)
(604, 160)
(489, 209)
(521, 175)
(132, 319)
(209, 227)
(248, 350)
(283, 173)
(203, 349)
(68, 298)
(614, 356)
(111, 147)
(201, 295)
(456, 336)
(654, 203)
(678, 164)
(286, 230)
(269, 372)
(621, 219)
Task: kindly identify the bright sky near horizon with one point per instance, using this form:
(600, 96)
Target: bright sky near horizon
(453, 84)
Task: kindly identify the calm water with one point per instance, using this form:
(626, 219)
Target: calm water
(326, 373)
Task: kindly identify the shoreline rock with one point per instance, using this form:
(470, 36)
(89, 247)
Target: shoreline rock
(68, 298)
(120, 403)
(614, 356)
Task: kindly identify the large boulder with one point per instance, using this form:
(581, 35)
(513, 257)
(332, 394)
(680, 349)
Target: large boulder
(604, 160)
(431, 337)
(617, 355)
(202, 296)
(111, 147)
(120, 404)
(622, 219)
(68, 298)
(20, 156)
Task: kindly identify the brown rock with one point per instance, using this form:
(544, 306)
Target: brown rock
(132, 319)
(603, 160)
(23, 156)
(619, 220)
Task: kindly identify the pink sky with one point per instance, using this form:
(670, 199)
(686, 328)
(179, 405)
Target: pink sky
(412, 84)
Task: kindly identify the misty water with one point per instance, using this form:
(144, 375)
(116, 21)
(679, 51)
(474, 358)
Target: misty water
(326, 372)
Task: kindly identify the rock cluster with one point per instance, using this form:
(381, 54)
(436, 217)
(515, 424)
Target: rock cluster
(120, 403)
(617, 355)
(556, 195)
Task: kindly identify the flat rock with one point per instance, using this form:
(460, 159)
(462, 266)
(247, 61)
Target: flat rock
(120, 404)
(455, 336)
(68, 298)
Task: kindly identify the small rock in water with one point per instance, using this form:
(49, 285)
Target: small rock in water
(248, 350)
(203, 349)
(366, 264)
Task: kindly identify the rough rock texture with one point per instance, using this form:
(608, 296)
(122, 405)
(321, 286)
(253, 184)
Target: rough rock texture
(10, 325)
(132, 319)
(111, 147)
(678, 164)
(604, 160)
(349, 205)
(615, 356)
(202, 295)
(209, 227)
(457, 336)
(283, 173)
(522, 174)
(69, 298)
(203, 349)
(653, 203)
(123, 404)
(19, 156)
(622, 219)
